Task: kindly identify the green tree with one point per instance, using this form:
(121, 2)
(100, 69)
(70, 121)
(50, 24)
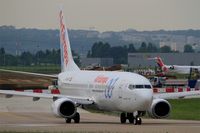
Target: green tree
(151, 48)
(100, 49)
(39, 57)
(165, 49)
(188, 49)
(89, 54)
(119, 54)
(11, 60)
(131, 48)
(96, 49)
(2, 56)
(106, 50)
(76, 58)
(143, 47)
(26, 58)
(2, 51)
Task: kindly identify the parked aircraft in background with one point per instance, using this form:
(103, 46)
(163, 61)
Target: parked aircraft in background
(174, 68)
(126, 92)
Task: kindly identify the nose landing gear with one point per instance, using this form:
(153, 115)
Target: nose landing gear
(138, 121)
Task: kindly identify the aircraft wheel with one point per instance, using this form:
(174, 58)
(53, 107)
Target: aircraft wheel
(77, 118)
(123, 118)
(130, 117)
(68, 120)
(138, 121)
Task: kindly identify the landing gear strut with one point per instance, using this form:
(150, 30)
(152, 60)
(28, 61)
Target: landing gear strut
(131, 118)
(76, 118)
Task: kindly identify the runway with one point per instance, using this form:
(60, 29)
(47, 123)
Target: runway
(21, 114)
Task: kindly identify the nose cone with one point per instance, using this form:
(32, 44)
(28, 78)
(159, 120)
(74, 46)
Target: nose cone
(144, 98)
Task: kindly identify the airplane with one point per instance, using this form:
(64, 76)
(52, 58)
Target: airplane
(174, 68)
(125, 92)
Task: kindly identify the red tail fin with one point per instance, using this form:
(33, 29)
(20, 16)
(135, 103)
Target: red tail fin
(161, 64)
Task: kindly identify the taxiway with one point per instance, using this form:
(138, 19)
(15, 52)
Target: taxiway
(21, 114)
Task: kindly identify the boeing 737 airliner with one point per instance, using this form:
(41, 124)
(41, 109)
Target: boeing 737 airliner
(124, 92)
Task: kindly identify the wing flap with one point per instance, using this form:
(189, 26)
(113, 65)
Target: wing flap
(37, 96)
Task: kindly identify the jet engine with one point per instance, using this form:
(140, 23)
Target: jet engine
(171, 67)
(64, 107)
(160, 108)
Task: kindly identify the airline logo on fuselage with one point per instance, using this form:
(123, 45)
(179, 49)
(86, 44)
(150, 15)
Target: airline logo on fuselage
(110, 87)
(101, 79)
(63, 38)
(109, 83)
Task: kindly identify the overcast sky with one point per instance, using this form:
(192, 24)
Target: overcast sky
(103, 15)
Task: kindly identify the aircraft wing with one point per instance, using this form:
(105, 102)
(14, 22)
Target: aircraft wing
(176, 95)
(77, 100)
(29, 73)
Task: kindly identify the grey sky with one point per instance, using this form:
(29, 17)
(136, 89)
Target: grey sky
(103, 14)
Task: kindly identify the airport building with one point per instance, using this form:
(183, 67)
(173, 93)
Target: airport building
(141, 59)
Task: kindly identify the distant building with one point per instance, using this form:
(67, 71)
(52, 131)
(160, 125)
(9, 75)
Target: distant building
(192, 40)
(141, 59)
(96, 61)
(175, 42)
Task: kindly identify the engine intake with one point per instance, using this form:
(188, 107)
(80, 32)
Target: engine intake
(160, 108)
(64, 107)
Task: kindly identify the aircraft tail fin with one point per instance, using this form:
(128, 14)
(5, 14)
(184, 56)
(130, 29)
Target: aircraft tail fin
(161, 64)
(67, 61)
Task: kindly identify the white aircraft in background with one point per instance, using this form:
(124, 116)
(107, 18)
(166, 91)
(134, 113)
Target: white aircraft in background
(124, 92)
(174, 68)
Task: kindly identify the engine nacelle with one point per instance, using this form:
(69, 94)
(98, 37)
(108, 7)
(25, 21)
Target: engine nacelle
(171, 67)
(64, 107)
(160, 108)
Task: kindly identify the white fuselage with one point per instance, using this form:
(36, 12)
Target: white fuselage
(182, 69)
(109, 90)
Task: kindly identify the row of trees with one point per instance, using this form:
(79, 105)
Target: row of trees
(120, 53)
(48, 57)
(27, 58)
(99, 50)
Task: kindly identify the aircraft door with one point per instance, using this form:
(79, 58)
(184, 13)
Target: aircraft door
(121, 87)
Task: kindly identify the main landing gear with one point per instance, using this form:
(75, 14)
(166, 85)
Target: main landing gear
(131, 118)
(76, 118)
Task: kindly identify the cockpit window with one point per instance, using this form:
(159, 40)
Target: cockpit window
(131, 87)
(139, 86)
